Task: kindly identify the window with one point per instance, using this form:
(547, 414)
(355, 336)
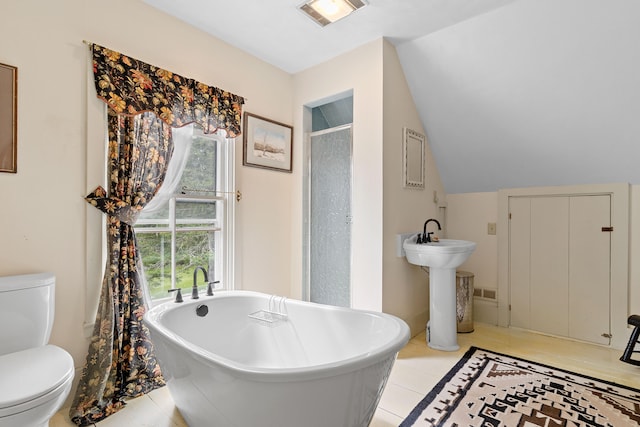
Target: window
(189, 223)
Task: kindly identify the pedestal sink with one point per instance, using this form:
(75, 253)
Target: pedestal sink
(442, 258)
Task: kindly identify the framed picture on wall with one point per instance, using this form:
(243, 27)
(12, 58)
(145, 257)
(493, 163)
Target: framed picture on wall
(413, 159)
(8, 118)
(267, 143)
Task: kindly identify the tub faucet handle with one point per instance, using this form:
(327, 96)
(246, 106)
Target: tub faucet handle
(178, 294)
(210, 288)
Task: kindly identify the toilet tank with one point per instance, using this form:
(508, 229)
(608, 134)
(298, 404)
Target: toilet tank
(26, 311)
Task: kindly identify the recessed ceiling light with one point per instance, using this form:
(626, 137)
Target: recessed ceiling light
(325, 12)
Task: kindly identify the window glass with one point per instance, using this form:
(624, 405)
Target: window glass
(183, 227)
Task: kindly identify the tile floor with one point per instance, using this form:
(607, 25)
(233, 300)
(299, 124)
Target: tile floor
(416, 371)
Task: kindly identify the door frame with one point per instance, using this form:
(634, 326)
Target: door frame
(620, 196)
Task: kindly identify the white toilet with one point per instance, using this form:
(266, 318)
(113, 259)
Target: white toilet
(35, 378)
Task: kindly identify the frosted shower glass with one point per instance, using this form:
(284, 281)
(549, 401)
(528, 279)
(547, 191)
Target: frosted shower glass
(330, 225)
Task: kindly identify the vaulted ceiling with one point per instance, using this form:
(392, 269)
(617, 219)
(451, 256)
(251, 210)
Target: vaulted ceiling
(511, 93)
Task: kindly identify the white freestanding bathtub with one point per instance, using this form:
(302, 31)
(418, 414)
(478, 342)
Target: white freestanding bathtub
(240, 365)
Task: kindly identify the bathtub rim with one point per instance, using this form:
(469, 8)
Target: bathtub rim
(152, 319)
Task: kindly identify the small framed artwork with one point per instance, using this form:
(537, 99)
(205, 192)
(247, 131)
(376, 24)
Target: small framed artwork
(267, 144)
(413, 159)
(8, 118)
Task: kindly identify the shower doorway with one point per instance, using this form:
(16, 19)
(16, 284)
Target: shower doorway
(327, 255)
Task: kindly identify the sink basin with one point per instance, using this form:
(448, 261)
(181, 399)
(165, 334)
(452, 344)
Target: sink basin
(446, 253)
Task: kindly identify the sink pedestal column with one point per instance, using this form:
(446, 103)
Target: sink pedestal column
(442, 258)
(442, 326)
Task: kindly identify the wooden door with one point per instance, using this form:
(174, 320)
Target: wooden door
(559, 265)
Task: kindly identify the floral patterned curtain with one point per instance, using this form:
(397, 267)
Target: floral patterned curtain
(130, 87)
(144, 103)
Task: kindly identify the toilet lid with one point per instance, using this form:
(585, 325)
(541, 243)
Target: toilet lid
(28, 374)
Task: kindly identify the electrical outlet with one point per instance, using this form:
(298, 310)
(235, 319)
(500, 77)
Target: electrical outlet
(491, 228)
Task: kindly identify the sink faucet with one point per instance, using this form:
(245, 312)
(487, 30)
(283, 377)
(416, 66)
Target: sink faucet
(426, 237)
(194, 290)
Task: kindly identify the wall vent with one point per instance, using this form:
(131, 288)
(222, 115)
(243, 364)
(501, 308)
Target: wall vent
(490, 294)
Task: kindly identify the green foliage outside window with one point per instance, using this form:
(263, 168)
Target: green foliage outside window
(193, 249)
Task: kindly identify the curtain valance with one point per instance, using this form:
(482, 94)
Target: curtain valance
(129, 86)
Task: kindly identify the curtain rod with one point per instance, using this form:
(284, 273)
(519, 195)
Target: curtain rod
(90, 43)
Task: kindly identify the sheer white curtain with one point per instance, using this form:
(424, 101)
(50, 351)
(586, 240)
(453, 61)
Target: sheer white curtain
(182, 139)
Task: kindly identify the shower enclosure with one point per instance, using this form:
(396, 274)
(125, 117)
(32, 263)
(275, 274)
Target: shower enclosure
(329, 217)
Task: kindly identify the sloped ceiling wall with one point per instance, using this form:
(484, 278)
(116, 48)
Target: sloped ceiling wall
(536, 93)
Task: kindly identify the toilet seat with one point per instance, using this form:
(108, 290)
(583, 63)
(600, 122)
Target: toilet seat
(33, 376)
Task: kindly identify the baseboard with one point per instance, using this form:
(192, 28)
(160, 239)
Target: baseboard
(418, 323)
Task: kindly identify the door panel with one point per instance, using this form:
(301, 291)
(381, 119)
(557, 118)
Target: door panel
(589, 263)
(330, 218)
(550, 265)
(519, 261)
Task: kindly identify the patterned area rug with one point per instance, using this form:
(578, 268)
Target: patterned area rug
(491, 389)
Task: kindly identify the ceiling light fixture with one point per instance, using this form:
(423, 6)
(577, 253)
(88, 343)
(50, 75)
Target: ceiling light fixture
(325, 12)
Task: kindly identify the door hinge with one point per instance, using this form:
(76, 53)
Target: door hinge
(509, 215)
(607, 229)
(509, 307)
(606, 335)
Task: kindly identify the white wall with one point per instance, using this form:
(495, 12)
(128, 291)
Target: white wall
(43, 214)
(405, 286)
(467, 217)
(546, 89)
(364, 78)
